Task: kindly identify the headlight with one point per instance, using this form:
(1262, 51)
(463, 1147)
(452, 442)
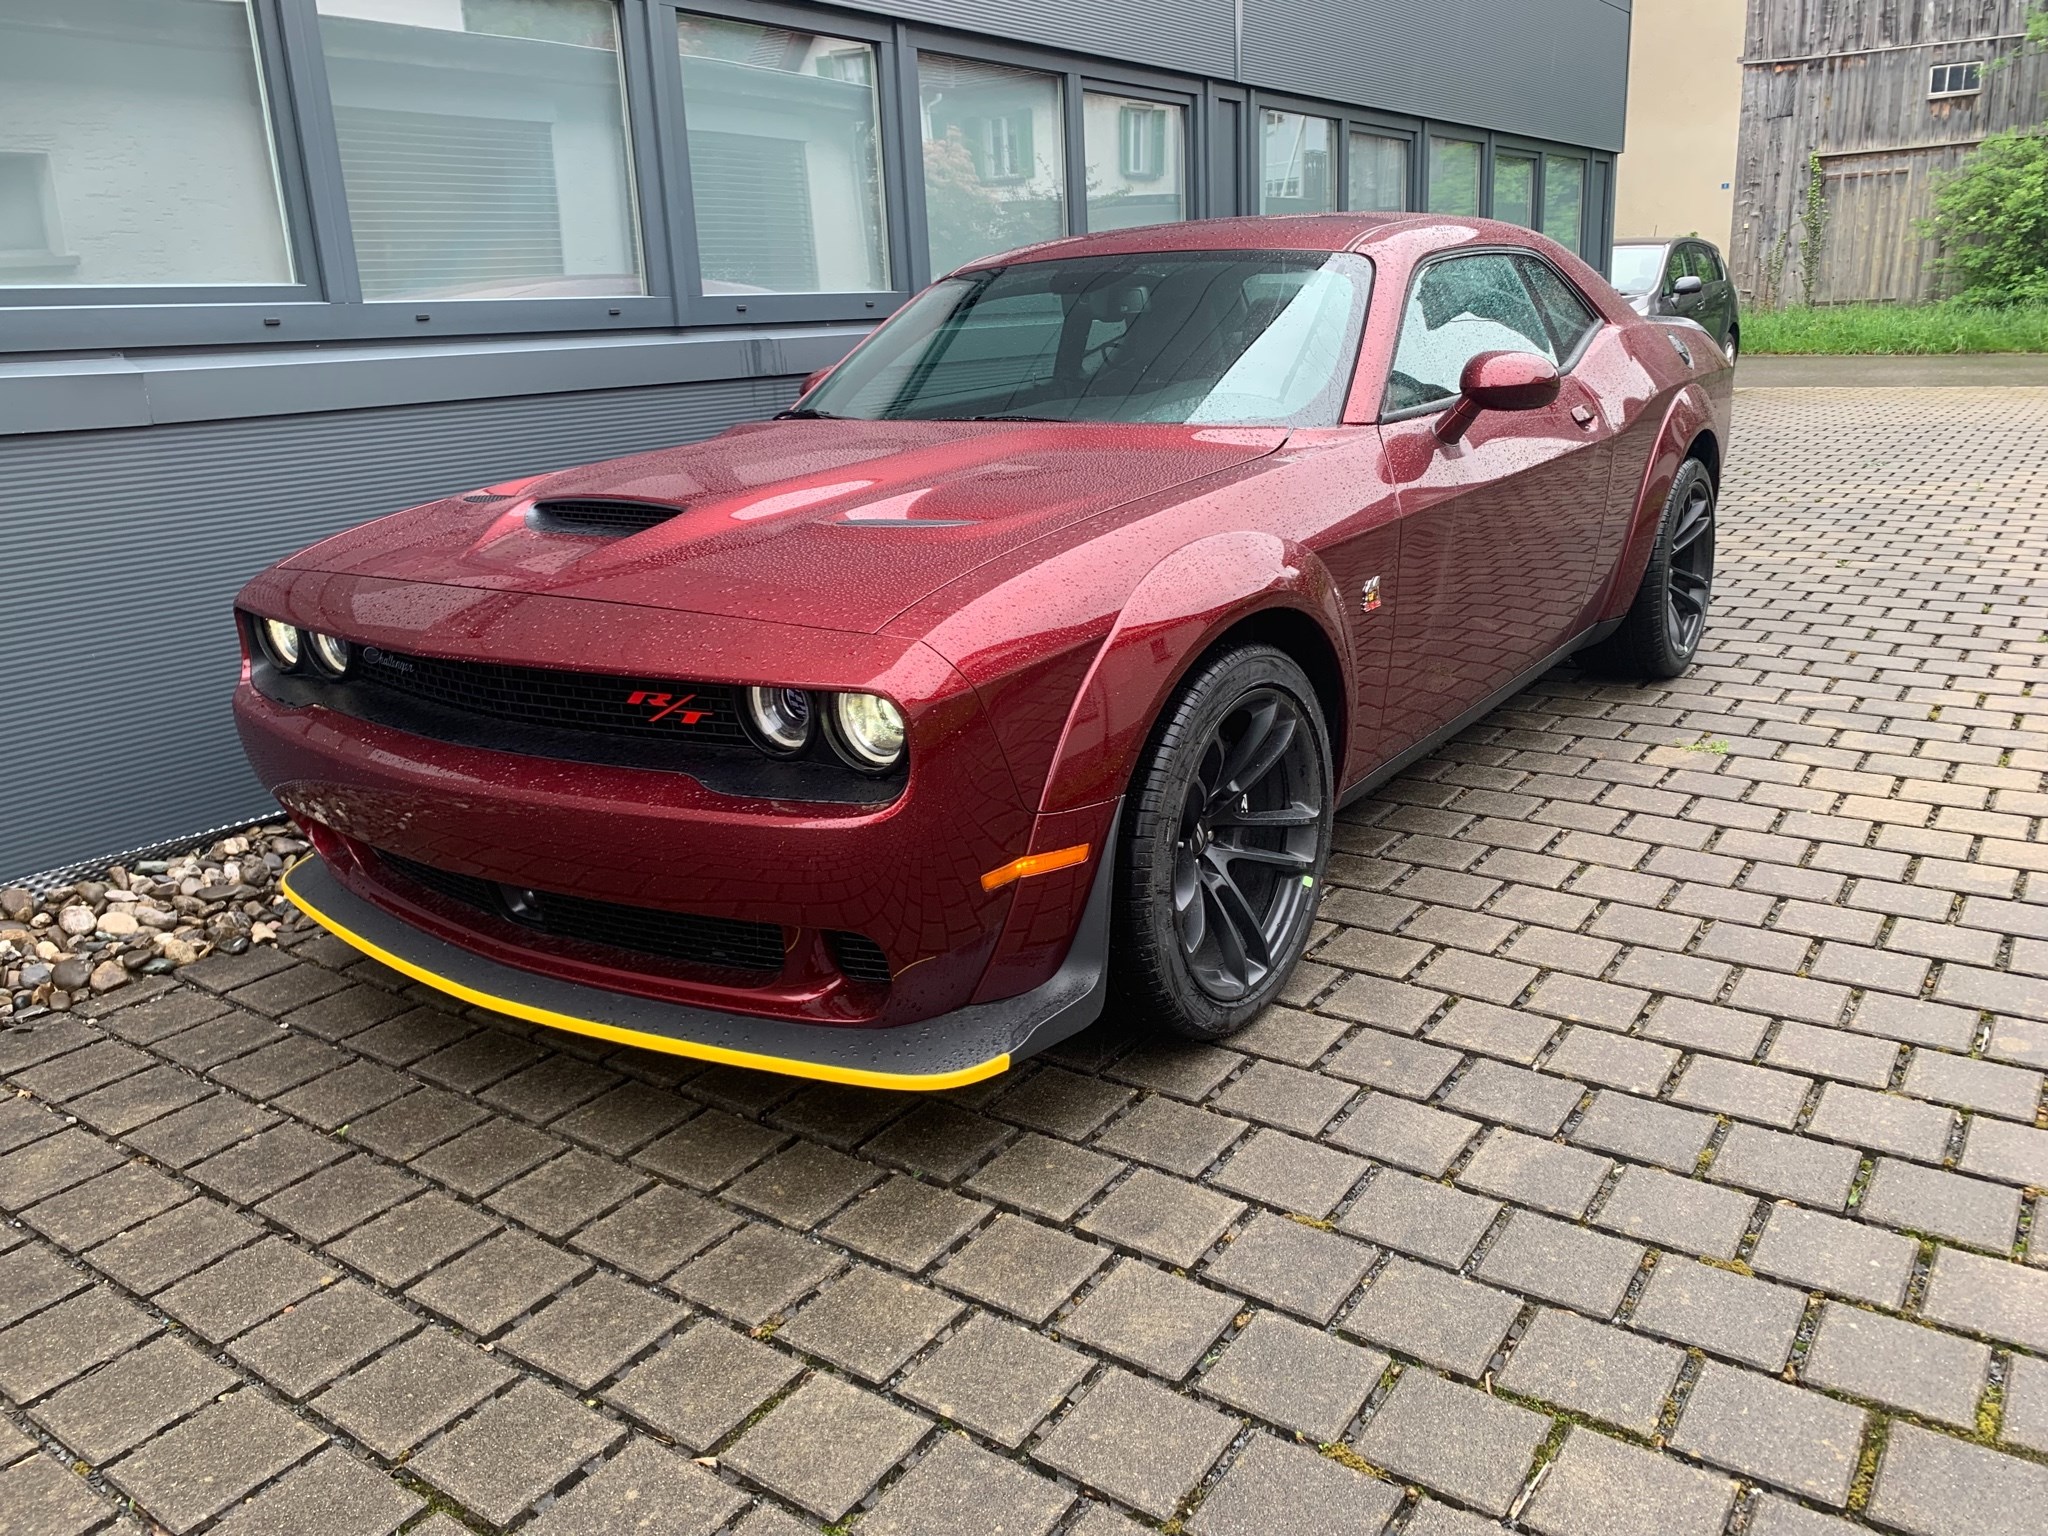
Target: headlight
(870, 730)
(330, 654)
(280, 643)
(780, 719)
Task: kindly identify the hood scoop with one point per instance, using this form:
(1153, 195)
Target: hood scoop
(610, 517)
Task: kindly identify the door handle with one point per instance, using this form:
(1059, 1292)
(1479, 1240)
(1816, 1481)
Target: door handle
(1583, 415)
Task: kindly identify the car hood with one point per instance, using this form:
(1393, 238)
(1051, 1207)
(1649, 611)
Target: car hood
(828, 524)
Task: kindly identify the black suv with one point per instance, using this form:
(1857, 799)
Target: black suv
(1684, 278)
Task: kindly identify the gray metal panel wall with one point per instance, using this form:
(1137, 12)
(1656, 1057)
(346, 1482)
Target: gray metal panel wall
(1551, 70)
(1193, 35)
(123, 551)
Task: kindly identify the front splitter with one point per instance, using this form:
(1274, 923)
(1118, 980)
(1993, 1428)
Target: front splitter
(948, 1051)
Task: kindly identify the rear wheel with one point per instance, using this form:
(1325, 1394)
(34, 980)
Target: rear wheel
(1733, 346)
(1662, 630)
(1231, 809)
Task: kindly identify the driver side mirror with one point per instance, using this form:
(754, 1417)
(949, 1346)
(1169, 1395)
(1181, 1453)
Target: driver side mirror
(1499, 381)
(1689, 283)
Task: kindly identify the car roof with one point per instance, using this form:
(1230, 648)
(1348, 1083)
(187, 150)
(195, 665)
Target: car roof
(1265, 232)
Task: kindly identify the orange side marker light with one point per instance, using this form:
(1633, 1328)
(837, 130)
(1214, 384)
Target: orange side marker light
(1034, 864)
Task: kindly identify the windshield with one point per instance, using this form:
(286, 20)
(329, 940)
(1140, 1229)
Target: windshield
(1247, 338)
(1636, 268)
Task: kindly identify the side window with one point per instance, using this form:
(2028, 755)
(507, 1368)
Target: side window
(1674, 268)
(1710, 268)
(1456, 310)
(1564, 309)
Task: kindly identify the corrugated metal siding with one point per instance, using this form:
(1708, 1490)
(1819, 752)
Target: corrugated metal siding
(1556, 70)
(124, 551)
(1192, 35)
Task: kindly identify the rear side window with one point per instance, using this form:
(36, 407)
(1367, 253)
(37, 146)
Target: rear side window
(1456, 310)
(1565, 311)
(1707, 264)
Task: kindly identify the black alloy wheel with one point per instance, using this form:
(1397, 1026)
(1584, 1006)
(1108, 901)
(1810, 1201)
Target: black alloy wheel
(1224, 858)
(1662, 630)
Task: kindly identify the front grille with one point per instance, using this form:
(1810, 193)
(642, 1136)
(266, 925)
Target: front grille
(592, 514)
(647, 709)
(859, 957)
(717, 943)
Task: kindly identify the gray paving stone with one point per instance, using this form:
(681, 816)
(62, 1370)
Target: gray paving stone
(1273, 1486)
(1944, 1205)
(1509, 1095)
(1171, 1135)
(137, 1100)
(1048, 1178)
(1602, 1372)
(55, 1163)
(623, 1119)
(826, 1445)
(40, 1498)
(589, 1333)
(1289, 1173)
(199, 1468)
(1779, 1434)
(1403, 1066)
(1490, 1031)
(1644, 1131)
(1613, 1061)
(654, 1232)
(1390, 1005)
(503, 1279)
(345, 1095)
(1291, 1266)
(1670, 1212)
(131, 1397)
(1776, 1515)
(701, 1387)
(1445, 1320)
(2011, 1153)
(67, 1340)
(1136, 1442)
(1454, 1440)
(1275, 1094)
(1931, 1485)
(308, 1345)
(801, 1185)
(755, 1274)
(560, 1196)
(1826, 1253)
(710, 1150)
(333, 1494)
(1531, 1171)
(1601, 1487)
(1159, 1322)
(1744, 1091)
(1882, 1122)
(1556, 1261)
(407, 1393)
(904, 1222)
(2012, 1093)
(1389, 1129)
(31, 1278)
(91, 1212)
(937, 1139)
(401, 1245)
(1294, 1377)
(1794, 1167)
(644, 1487)
(1433, 1519)
(1420, 1217)
(405, 1128)
(999, 1380)
(1183, 1068)
(870, 1323)
(1060, 1103)
(1898, 1364)
(1021, 1267)
(514, 1450)
(486, 1156)
(1721, 1312)
(2025, 1422)
(1289, 1035)
(344, 1195)
(1833, 1053)
(1988, 1296)
(554, 1086)
(958, 1487)
(147, 1258)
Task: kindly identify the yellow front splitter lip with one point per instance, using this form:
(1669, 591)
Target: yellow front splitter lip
(949, 1051)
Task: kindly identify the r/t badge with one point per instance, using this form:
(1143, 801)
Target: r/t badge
(1372, 593)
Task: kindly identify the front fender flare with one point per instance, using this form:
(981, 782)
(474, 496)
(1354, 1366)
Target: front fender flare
(1179, 610)
(1691, 414)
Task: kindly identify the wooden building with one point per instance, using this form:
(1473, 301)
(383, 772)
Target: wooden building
(1889, 94)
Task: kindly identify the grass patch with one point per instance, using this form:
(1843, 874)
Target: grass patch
(1896, 329)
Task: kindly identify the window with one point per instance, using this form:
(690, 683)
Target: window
(1458, 309)
(1708, 262)
(1564, 200)
(138, 150)
(1955, 79)
(1514, 188)
(1296, 160)
(1564, 309)
(1454, 176)
(785, 159)
(1379, 172)
(1239, 337)
(483, 147)
(1136, 155)
(1634, 268)
(994, 158)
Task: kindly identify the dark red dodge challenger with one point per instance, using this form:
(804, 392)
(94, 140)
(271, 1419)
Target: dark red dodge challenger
(1024, 663)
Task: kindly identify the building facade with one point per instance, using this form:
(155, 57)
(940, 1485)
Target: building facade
(1869, 103)
(269, 268)
(1677, 176)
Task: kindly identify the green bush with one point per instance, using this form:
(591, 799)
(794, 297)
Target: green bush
(1991, 217)
(1894, 329)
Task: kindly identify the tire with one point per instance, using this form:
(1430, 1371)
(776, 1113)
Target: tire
(1661, 633)
(1220, 868)
(1733, 346)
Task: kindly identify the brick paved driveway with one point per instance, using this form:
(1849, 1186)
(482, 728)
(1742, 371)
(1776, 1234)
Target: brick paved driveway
(1653, 1148)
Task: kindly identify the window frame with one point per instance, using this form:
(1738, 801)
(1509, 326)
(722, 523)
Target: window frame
(1092, 79)
(1949, 92)
(1545, 153)
(1484, 141)
(1407, 129)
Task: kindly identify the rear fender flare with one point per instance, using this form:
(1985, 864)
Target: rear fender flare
(1183, 605)
(1691, 414)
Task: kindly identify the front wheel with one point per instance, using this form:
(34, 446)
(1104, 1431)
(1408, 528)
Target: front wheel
(1223, 856)
(1661, 633)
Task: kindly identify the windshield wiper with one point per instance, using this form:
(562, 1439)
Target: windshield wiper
(1006, 416)
(806, 413)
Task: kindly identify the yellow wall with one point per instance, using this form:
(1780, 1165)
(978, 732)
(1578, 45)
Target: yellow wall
(1676, 175)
